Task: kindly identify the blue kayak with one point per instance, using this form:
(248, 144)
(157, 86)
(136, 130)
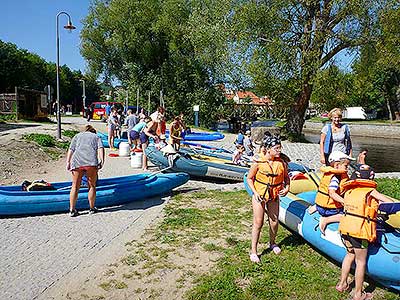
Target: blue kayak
(383, 257)
(201, 136)
(104, 139)
(199, 166)
(109, 192)
(194, 136)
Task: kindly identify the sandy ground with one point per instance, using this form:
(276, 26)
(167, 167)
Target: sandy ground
(56, 257)
(51, 256)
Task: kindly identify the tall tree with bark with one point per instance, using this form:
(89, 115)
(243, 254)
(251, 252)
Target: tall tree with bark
(294, 40)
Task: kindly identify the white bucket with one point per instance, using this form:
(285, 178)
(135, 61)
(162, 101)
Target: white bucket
(124, 149)
(136, 159)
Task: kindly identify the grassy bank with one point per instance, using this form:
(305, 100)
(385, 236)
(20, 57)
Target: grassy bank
(200, 251)
(49, 144)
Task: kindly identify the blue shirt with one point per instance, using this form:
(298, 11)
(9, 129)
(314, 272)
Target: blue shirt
(240, 138)
(139, 126)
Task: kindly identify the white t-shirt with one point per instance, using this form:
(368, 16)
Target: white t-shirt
(337, 138)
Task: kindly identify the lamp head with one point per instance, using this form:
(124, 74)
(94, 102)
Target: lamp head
(69, 26)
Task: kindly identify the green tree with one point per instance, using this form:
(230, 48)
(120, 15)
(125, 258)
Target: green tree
(377, 71)
(18, 67)
(332, 88)
(293, 40)
(146, 45)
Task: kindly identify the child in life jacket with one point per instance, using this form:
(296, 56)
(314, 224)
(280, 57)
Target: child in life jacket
(268, 179)
(328, 201)
(358, 226)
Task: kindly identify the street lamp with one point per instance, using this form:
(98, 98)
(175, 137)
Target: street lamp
(83, 94)
(70, 27)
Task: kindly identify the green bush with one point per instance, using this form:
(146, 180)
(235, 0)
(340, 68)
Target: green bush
(44, 140)
(8, 117)
(70, 133)
(62, 145)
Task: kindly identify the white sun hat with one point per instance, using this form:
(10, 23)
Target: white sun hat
(338, 156)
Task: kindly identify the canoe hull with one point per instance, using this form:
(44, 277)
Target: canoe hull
(109, 192)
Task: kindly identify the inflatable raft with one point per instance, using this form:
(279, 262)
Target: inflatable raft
(383, 257)
(198, 166)
(109, 192)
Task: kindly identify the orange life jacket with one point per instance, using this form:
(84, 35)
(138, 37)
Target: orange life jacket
(269, 179)
(322, 199)
(176, 132)
(360, 210)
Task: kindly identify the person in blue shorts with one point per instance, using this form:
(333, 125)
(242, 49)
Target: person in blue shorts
(134, 134)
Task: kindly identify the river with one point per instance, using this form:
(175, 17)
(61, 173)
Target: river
(383, 153)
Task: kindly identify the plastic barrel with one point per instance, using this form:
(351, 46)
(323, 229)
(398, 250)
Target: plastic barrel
(124, 149)
(136, 159)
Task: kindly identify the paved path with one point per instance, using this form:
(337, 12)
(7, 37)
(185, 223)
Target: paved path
(38, 252)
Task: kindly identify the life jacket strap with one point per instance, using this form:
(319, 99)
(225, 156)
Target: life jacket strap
(323, 193)
(268, 184)
(359, 216)
(269, 174)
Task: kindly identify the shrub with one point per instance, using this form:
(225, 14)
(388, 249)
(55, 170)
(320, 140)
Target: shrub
(44, 140)
(70, 133)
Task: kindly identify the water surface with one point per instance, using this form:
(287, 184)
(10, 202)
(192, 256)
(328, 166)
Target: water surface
(383, 153)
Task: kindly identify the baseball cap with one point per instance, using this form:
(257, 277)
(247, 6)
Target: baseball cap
(338, 156)
(363, 171)
(248, 132)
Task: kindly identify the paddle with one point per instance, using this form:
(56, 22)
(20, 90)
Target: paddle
(309, 175)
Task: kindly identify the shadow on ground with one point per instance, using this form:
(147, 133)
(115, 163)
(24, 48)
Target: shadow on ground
(8, 126)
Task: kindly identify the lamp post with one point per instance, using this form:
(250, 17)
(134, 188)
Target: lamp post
(69, 26)
(83, 94)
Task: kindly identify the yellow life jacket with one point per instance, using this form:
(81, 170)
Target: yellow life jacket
(360, 210)
(269, 179)
(322, 199)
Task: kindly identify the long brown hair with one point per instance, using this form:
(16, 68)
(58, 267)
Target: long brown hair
(90, 128)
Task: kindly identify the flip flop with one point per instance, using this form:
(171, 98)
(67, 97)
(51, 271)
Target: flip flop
(274, 248)
(342, 290)
(364, 296)
(254, 258)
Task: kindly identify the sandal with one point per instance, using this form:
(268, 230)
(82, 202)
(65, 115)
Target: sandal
(342, 289)
(364, 296)
(254, 258)
(274, 248)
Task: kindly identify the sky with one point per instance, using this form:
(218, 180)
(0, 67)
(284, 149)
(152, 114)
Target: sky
(31, 25)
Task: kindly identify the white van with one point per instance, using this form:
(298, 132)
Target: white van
(355, 113)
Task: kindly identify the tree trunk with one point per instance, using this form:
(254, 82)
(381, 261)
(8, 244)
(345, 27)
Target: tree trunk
(295, 118)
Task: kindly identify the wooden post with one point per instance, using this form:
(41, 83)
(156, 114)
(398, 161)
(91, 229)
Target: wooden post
(137, 101)
(148, 103)
(16, 103)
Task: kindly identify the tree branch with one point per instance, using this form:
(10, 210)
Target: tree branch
(334, 51)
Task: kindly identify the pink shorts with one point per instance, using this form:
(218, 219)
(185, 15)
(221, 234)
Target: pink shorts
(86, 168)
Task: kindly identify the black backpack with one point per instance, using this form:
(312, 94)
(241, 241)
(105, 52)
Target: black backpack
(37, 185)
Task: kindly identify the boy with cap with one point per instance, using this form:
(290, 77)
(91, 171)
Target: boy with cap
(328, 201)
(358, 226)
